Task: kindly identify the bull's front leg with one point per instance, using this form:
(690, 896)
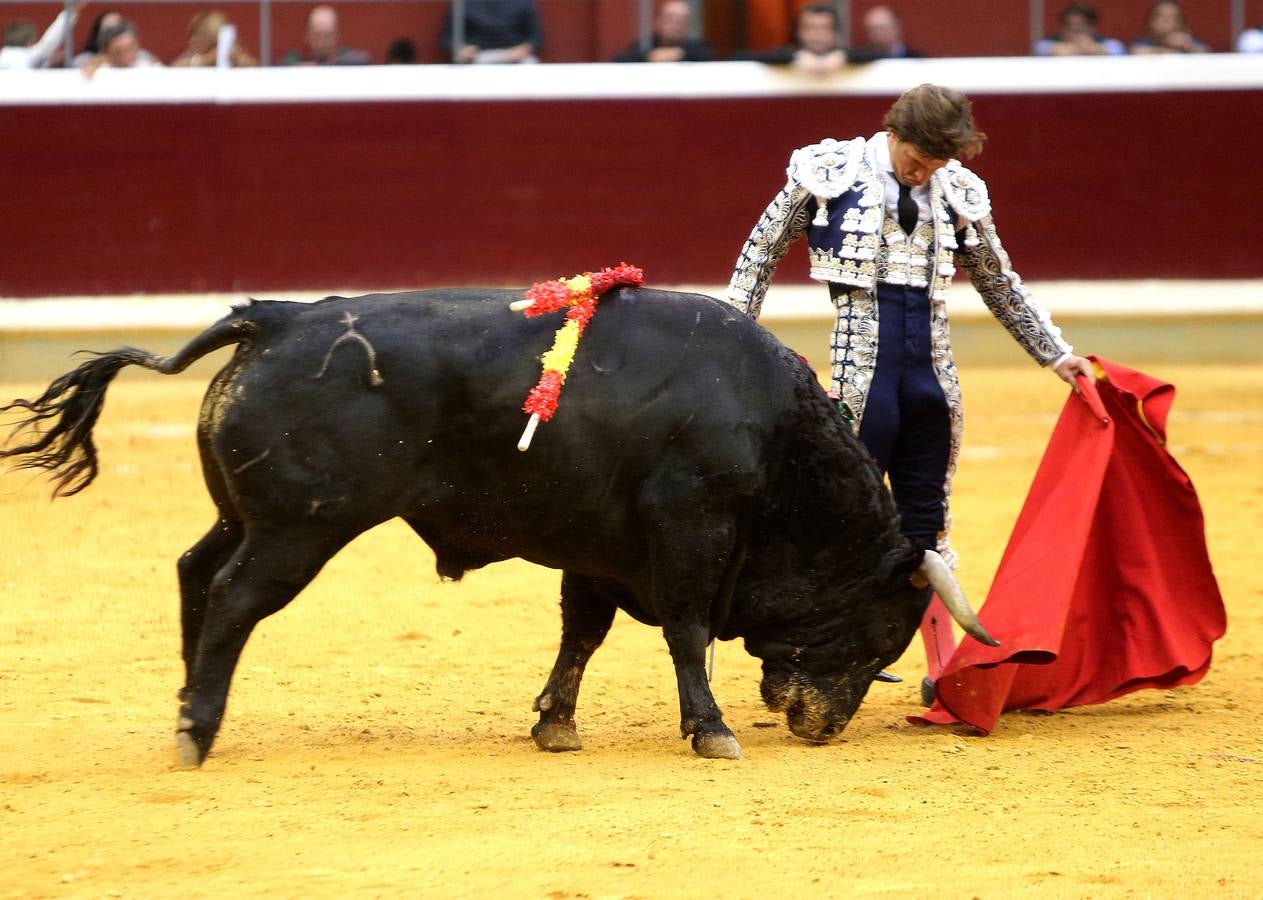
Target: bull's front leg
(586, 616)
(699, 714)
(692, 549)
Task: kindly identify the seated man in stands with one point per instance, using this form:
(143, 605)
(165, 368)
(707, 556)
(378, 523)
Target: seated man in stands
(120, 49)
(22, 51)
(496, 31)
(817, 49)
(1078, 35)
(883, 38)
(670, 41)
(321, 46)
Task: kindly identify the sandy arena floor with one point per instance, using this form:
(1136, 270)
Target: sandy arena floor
(377, 739)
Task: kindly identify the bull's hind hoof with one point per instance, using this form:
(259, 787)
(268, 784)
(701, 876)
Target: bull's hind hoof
(556, 737)
(711, 745)
(187, 753)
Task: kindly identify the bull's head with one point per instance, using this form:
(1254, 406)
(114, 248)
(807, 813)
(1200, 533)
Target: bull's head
(819, 682)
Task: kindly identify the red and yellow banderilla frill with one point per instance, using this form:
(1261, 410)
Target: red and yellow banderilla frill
(578, 296)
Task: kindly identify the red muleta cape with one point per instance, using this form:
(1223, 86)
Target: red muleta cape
(1105, 587)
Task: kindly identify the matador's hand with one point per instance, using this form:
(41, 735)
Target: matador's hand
(1073, 366)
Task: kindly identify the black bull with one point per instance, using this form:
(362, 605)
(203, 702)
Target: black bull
(695, 476)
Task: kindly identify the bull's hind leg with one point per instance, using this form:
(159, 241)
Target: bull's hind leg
(586, 616)
(267, 570)
(196, 568)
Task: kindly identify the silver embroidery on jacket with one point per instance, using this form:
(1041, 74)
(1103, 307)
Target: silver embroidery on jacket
(782, 223)
(1004, 294)
(875, 248)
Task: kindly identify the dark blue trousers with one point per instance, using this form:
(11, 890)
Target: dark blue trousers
(906, 425)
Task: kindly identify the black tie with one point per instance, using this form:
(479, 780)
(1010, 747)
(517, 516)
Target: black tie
(907, 209)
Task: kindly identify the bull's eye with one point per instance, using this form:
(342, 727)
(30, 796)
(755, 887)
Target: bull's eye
(892, 629)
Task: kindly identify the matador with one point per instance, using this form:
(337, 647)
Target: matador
(888, 219)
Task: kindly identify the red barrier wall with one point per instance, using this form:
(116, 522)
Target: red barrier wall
(256, 197)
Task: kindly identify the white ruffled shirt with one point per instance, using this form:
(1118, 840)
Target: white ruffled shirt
(877, 150)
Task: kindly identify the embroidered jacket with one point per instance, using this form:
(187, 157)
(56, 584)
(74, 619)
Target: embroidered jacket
(837, 197)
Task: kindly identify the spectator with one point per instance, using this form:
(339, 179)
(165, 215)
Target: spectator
(90, 44)
(817, 50)
(22, 51)
(203, 46)
(120, 49)
(321, 46)
(402, 51)
(1167, 31)
(883, 37)
(1251, 41)
(670, 39)
(1078, 35)
(496, 31)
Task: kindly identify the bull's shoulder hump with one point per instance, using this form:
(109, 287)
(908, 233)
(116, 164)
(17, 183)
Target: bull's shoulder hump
(681, 302)
(690, 320)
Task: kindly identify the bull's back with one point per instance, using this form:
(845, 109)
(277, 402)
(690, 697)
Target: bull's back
(411, 405)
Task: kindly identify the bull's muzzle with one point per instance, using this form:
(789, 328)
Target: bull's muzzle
(810, 715)
(808, 730)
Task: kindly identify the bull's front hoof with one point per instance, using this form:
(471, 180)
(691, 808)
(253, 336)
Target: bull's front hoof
(712, 745)
(556, 737)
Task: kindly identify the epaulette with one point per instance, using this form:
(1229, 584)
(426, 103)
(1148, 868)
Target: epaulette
(827, 169)
(964, 191)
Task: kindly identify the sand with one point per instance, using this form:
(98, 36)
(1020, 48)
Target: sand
(377, 738)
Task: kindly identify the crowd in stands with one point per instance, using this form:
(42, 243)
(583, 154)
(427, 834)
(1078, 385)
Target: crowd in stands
(1166, 31)
(509, 31)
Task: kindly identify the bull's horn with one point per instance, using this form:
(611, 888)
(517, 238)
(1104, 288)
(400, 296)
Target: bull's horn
(934, 570)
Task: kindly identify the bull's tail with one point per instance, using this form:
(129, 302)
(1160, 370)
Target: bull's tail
(57, 425)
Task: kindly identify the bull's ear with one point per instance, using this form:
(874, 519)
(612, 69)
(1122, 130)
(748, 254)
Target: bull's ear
(897, 565)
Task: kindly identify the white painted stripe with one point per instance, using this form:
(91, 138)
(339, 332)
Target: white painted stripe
(1123, 299)
(340, 84)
